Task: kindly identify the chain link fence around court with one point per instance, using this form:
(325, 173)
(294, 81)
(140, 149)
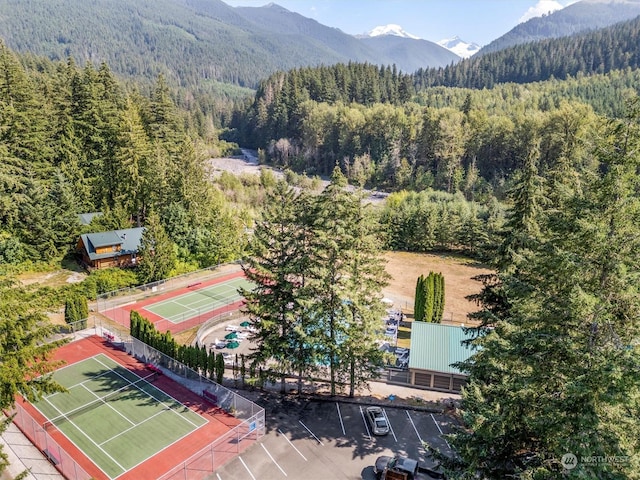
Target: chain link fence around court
(200, 465)
(36, 433)
(223, 448)
(110, 304)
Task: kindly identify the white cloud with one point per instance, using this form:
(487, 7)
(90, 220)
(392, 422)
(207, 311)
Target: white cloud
(543, 7)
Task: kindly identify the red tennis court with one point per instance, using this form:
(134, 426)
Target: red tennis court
(190, 317)
(155, 466)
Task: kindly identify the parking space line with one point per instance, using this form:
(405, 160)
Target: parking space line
(416, 430)
(273, 459)
(294, 447)
(245, 466)
(365, 423)
(390, 427)
(312, 434)
(340, 417)
(440, 430)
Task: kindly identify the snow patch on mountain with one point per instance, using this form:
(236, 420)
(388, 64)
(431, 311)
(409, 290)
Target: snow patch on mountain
(391, 29)
(543, 7)
(459, 47)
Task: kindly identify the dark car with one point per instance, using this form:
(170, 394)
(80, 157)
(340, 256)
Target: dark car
(404, 466)
(377, 420)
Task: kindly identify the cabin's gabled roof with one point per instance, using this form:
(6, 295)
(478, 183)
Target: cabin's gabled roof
(85, 218)
(128, 240)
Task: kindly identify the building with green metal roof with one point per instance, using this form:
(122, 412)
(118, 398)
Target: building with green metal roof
(434, 348)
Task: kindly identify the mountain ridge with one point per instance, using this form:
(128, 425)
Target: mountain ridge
(573, 19)
(194, 42)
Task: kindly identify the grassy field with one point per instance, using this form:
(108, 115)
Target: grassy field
(458, 272)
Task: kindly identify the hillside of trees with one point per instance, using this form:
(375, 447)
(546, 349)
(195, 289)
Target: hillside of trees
(369, 121)
(574, 18)
(195, 45)
(601, 51)
(74, 140)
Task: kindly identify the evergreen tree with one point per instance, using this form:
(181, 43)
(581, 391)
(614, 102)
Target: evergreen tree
(276, 303)
(558, 373)
(71, 314)
(366, 279)
(219, 368)
(133, 155)
(156, 251)
(419, 303)
(26, 351)
(342, 242)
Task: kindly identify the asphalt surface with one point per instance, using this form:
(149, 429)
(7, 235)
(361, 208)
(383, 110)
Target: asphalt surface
(312, 439)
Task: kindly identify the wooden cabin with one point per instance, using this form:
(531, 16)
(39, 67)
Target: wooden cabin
(117, 248)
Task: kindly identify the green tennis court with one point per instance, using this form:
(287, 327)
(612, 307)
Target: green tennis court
(198, 301)
(108, 408)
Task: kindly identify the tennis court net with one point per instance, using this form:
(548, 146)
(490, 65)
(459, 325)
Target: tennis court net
(109, 397)
(207, 293)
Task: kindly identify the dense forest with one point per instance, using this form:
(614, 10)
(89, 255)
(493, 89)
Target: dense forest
(75, 141)
(574, 18)
(600, 51)
(465, 127)
(456, 140)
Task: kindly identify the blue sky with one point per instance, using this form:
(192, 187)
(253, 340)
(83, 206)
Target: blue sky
(479, 21)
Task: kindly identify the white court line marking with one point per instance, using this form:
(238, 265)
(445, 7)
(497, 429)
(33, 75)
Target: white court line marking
(132, 427)
(170, 408)
(416, 430)
(219, 478)
(87, 436)
(340, 417)
(312, 434)
(365, 424)
(273, 460)
(245, 466)
(171, 300)
(440, 430)
(81, 384)
(390, 427)
(185, 306)
(294, 447)
(105, 403)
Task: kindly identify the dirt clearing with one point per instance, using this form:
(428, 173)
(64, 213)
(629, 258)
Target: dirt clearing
(405, 268)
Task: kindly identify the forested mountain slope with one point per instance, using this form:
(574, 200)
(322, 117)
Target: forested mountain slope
(575, 18)
(410, 54)
(385, 134)
(190, 42)
(612, 48)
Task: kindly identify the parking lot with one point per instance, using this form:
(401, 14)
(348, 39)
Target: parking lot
(331, 440)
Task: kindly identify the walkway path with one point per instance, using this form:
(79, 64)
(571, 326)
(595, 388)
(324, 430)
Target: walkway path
(24, 456)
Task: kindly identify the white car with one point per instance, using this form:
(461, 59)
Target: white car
(219, 343)
(232, 328)
(377, 420)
